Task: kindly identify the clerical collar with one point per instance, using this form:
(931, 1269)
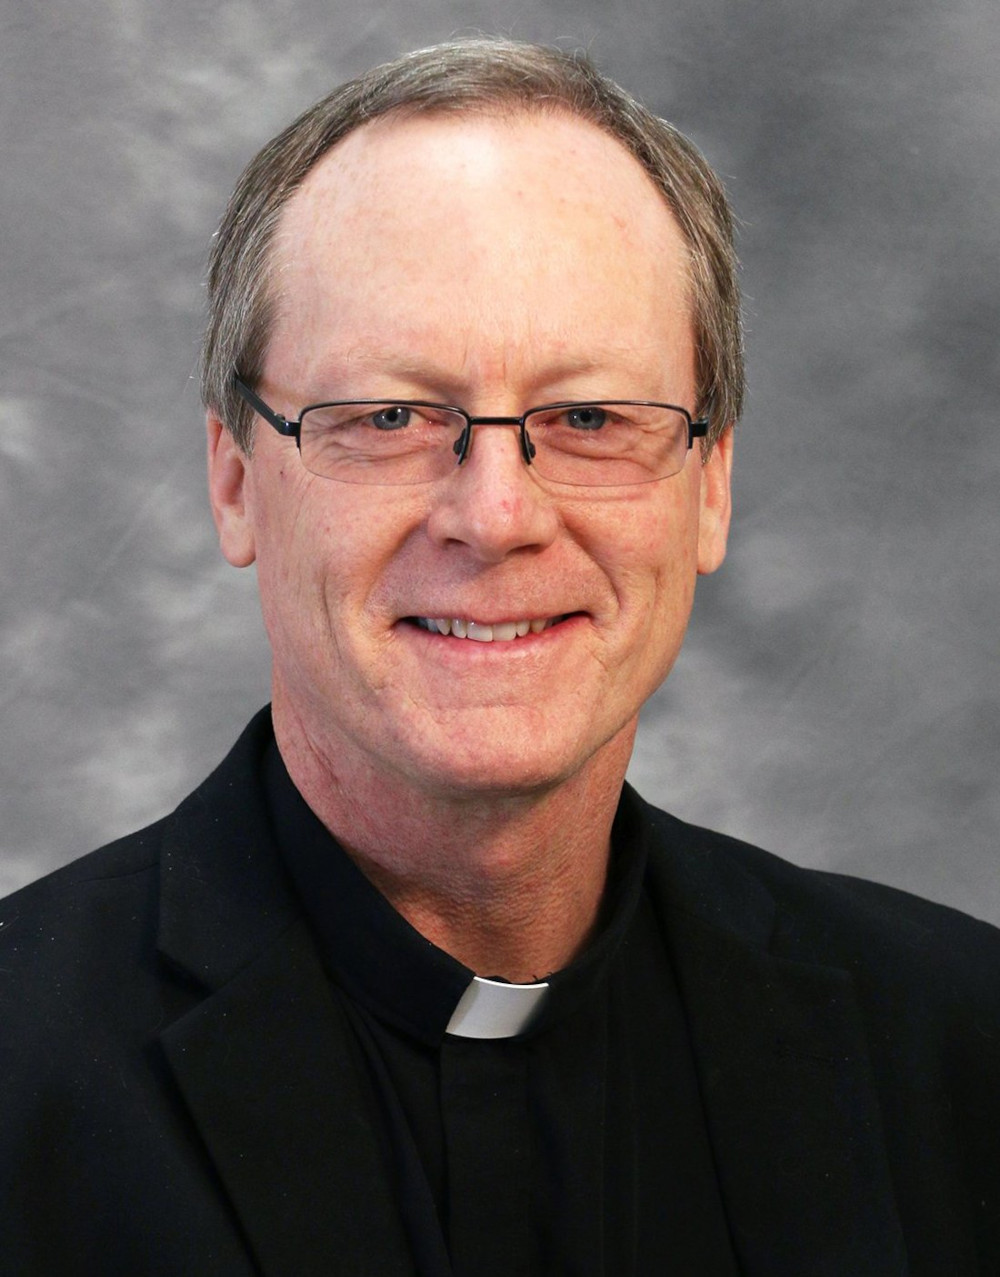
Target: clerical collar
(397, 974)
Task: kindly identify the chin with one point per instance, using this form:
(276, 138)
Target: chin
(519, 769)
(503, 779)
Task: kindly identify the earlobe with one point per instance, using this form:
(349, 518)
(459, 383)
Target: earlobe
(228, 482)
(716, 504)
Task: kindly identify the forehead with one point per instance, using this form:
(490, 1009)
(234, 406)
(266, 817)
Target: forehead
(478, 238)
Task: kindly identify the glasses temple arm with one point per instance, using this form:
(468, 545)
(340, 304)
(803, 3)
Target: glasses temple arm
(275, 419)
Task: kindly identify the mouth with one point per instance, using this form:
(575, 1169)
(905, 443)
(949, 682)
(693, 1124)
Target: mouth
(501, 632)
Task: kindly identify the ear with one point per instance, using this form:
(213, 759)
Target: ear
(228, 481)
(716, 503)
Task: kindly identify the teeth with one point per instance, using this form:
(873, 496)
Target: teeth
(502, 632)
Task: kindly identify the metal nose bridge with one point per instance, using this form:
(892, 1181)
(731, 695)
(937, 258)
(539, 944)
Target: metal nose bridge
(464, 441)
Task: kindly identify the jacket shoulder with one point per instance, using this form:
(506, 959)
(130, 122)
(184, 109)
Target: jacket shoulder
(80, 938)
(127, 869)
(877, 932)
(130, 854)
(55, 904)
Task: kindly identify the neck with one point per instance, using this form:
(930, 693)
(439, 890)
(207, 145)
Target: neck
(509, 884)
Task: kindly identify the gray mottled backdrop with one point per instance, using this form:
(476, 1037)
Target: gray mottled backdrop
(838, 697)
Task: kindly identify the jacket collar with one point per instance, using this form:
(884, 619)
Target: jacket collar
(223, 892)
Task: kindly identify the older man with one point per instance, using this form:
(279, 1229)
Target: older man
(412, 984)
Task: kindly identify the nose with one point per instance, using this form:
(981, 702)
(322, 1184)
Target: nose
(492, 502)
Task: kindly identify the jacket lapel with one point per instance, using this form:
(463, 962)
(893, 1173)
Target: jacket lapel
(783, 1064)
(267, 1070)
(264, 1061)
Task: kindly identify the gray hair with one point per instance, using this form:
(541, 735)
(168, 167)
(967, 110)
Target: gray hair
(483, 76)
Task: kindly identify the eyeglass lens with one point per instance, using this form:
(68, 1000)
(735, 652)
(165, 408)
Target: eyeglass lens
(582, 445)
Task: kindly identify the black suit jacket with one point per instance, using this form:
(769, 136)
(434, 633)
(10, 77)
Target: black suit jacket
(179, 1096)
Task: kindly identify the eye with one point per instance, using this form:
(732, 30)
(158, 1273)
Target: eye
(395, 417)
(586, 417)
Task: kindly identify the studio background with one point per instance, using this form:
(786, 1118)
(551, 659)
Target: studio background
(837, 699)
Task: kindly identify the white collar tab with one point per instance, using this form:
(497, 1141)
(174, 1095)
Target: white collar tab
(495, 1009)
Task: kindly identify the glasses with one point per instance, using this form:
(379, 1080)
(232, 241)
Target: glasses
(401, 441)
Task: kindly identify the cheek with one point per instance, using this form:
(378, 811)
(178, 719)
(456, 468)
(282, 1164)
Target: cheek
(650, 547)
(671, 588)
(653, 574)
(331, 554)
(293, 534)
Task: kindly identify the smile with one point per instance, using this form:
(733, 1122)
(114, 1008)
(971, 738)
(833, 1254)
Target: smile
(503, 632)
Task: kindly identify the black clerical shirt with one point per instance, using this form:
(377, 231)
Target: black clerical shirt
(576, 1146)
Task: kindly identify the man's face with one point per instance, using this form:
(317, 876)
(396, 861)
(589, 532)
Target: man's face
(495, 265)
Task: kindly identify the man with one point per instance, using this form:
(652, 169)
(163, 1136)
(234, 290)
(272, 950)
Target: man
(411, 984)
